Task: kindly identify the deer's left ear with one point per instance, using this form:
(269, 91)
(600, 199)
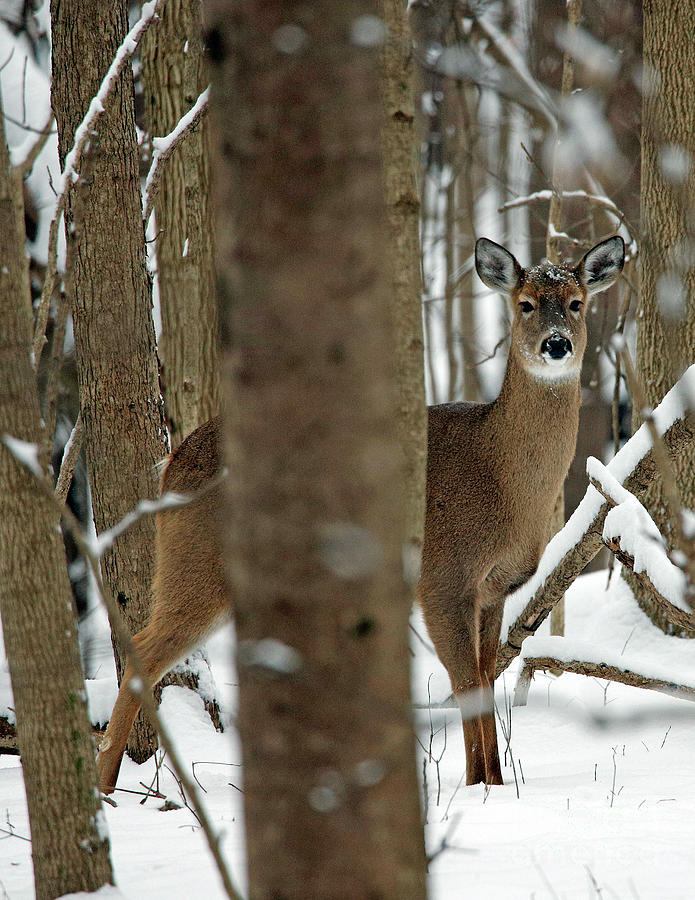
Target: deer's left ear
(602, 265)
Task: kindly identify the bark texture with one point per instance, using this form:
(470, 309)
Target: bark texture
(399, 141)
(125, 433)
(173, 76)
(70, 850)
(666, 326)
(316, 511)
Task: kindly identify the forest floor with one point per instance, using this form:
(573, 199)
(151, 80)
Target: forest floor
(602, 803)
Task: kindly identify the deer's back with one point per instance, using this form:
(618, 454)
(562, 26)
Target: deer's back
(189, 571)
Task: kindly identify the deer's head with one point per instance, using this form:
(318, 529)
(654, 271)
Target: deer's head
(548, 302)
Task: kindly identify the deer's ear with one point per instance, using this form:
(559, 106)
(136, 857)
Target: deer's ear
(497, 268)
(602, 265)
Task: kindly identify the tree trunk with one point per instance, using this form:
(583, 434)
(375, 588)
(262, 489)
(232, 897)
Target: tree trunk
(316, 514)
(69, 847)
(665, 323)
(403, 206)
(125, 432)
(173, 77)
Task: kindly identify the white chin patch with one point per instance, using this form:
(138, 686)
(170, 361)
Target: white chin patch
(554, 369)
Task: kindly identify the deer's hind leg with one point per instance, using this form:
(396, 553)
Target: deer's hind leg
(490, 623)
(453, 627)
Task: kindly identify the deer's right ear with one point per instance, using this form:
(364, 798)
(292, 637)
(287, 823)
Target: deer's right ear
(497, 268)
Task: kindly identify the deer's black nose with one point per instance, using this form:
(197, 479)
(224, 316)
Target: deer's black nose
(556, 346)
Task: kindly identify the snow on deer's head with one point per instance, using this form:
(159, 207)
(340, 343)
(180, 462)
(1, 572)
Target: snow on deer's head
(548, 335)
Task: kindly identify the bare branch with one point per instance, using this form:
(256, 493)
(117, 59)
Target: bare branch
(71, 453)
(164, 147)
(611, 673)
(21, 169)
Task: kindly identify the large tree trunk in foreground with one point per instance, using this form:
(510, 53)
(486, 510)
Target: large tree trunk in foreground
(69, 848)
(666, 325)
(316, 511)
(173, 77)
(125, 433)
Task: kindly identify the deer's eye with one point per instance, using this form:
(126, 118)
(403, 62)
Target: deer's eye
(526, 307)
(575, 305)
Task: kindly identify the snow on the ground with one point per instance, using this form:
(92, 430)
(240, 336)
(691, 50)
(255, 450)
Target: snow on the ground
(606, 786)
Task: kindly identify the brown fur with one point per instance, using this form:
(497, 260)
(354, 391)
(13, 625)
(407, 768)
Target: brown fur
(494, 472)
(189, 592)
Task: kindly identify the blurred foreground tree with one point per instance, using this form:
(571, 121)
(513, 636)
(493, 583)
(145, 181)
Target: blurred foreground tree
(70, 850)
(666, 319)
(316, 514)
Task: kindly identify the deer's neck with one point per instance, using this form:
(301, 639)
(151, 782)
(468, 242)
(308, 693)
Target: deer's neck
(540, 415)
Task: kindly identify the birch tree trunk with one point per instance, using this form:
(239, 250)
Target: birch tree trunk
(666, 316)
(125, 432)
(173, 76)
(316, 514)
(70, 850)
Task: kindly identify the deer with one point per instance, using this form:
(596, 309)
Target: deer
(494, 472)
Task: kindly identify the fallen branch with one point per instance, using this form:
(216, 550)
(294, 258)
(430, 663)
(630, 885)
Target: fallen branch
(599, 670)
(572, 548)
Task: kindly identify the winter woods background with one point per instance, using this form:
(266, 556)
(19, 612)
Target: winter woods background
(544, 126)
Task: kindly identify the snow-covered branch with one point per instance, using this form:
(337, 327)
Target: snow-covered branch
(72, 161)
(597, 199)
(579, 541)
(163, 147)
(571, 656)
(630, 533)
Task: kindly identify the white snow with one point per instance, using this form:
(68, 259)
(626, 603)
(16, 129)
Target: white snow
(25, 453)
(608, 791)
(630, 522)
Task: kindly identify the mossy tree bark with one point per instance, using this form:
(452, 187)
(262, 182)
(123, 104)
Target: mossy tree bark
(69, 847)
(316, 514)
(125, 431)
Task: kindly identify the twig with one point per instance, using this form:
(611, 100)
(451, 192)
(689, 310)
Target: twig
(23, 168)
(164, 147)
(71, 453)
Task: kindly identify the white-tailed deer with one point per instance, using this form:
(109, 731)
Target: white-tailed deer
(494, 472)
